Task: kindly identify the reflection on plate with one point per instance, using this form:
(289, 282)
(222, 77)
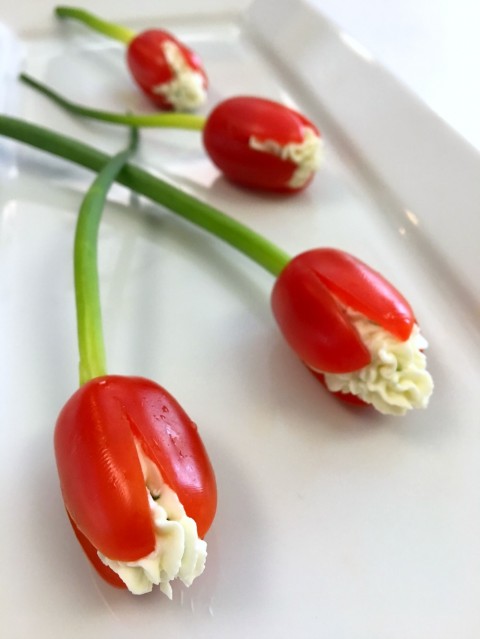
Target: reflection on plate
(332, 522)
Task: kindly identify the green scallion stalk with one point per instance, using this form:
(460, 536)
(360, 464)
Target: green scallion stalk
(170, 120)
(115, 31)
(87, 291)
(245, 240)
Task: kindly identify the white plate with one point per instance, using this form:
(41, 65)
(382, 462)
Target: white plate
(332, 522)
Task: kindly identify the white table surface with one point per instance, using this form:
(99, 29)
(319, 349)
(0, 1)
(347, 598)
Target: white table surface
(432, 47)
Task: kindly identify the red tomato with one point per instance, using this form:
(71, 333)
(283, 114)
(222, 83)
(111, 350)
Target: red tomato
(232, 124)
(149, 66)
(308, 300)
(360, 287)
(99, 469)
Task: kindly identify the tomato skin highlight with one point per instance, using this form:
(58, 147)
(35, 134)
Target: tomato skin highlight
(308, 301)
(100, 472)
(227, 134)
(149, 66)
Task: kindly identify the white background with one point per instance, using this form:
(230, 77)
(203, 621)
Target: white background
(433, 47)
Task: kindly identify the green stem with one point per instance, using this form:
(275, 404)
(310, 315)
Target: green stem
(258, 248)
(87, 291)
(109, 29)
(171, 120)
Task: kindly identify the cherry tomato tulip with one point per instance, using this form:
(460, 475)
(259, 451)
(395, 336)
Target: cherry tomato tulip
(262, 144)
(309, 300)
(96, 439)
(170, 73)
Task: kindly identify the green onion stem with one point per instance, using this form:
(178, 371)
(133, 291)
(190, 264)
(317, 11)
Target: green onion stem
(87, 291)
(171, 120)
(115, 31)
(245, 240)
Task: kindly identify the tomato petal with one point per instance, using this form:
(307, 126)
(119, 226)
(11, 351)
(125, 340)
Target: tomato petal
(170, 439)
(100, 473)
(363, 289)
(312, 321)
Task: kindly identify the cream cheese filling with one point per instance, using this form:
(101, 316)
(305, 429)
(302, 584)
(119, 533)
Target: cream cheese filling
(305, 154)
(179, 552)
(186, 91)
(396, 380)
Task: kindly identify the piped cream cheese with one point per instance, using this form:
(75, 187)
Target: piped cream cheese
(305, 154)
(186, 91)
(179, 552)
(396, 380)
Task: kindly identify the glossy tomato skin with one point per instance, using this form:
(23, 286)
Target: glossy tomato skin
(308, 300)
(99, 469)
(149, 66)
(227, 133)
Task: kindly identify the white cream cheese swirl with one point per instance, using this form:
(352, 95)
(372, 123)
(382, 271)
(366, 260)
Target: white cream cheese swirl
(305, 154)
(186, 91)
(396, 380)
(179, 552)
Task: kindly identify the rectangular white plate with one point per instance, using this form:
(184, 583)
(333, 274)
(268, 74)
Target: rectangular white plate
(332, 522)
